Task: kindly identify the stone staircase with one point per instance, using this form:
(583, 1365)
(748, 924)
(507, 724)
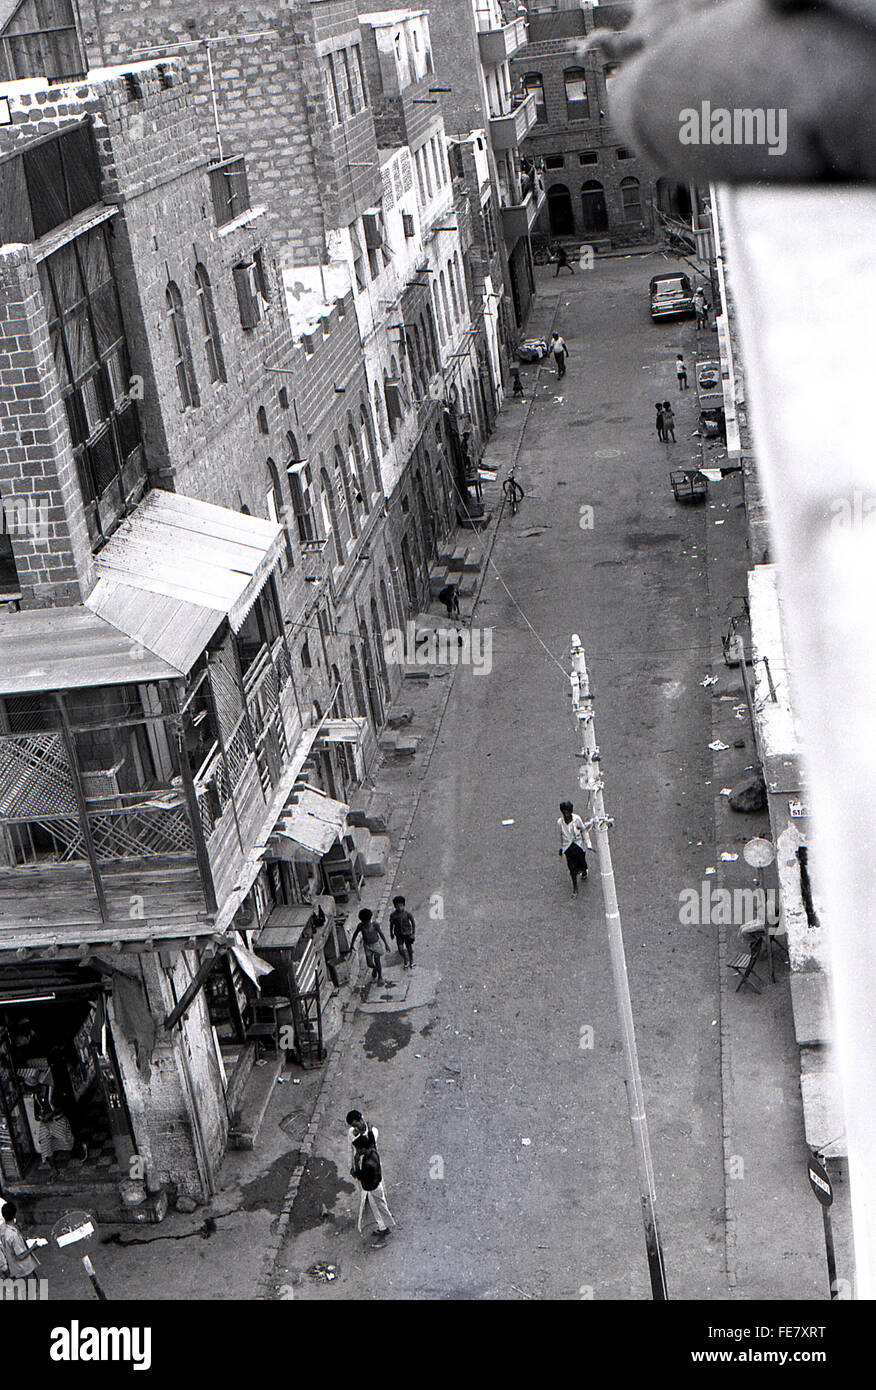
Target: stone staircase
(458, 567)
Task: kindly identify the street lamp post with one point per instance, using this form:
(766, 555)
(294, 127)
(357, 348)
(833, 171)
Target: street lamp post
(590, 780)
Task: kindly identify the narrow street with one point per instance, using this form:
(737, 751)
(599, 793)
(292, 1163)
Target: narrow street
(504, 1135)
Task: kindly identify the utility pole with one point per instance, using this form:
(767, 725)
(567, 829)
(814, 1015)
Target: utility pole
(590, 780)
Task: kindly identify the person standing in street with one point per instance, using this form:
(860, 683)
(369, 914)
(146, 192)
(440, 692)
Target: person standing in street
(367, 1170)
(668, 421)
(563, 262)
(374, 941)
(661, 428)
(681, 372)
(403, 927)
(449, 596)
(574, 841)
(701, 308)
(561, 352)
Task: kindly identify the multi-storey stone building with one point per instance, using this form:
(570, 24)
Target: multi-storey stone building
(217, 503)
(598, 190)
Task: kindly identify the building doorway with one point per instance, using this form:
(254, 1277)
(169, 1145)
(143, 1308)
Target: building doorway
(594, 214)
(560, 214)
(63, 1115)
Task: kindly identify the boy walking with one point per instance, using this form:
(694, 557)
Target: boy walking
(373, 940)
(681, 372)
(403, 928)
(563, 262)
(668, 421)
(661, 428)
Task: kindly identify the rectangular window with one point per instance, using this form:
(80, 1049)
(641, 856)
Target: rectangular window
(91, 357)
(249, 299)
(588, 157)
(408, 224)
(554, 161)
(363, 85)
(349, 79)
(230, 190)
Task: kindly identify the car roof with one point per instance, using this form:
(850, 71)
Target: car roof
(670, 275)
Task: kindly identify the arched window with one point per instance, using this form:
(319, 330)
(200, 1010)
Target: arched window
(438, 318)
(276, 506)
(379, 409)
(460, 284)
(185, 372)
(262, 420)
(577, 102)
(378, 648)
(329, 513)
(452, 290)
(384, 599)
(532, 82)
(342, 494)
(445, 305)
(631, 199)
(368, 450)
(358, 483)
(356, 680)
(212, 342)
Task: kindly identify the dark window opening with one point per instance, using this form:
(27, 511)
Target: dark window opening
(230, 190)
(209, 325)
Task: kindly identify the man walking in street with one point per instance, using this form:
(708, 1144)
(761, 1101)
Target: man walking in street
(681, 372)
(574, 840)
(561, 352)
(661, 428)
(563, 262)
(366, 1168)
(403, 928)
(373, 940)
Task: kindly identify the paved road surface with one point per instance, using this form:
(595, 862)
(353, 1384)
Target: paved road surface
(505, 1142)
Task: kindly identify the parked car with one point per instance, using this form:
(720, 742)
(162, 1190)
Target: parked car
(671, 297)
(532, 350)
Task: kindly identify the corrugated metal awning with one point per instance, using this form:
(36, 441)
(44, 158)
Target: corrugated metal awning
(308, 828)
(68, 649)
(341, 731)
(165, 581)
(199, 563)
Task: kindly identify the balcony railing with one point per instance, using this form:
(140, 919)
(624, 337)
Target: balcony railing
(509, 132)
(498, 44)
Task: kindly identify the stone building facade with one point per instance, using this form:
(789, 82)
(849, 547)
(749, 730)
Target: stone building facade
(598, 190)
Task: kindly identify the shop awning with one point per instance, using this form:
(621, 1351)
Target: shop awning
(308, 828)
(341, 731)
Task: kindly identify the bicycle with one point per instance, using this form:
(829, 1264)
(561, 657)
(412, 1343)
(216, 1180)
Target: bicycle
(513, 492)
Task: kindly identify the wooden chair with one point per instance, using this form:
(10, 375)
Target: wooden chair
(744, 965)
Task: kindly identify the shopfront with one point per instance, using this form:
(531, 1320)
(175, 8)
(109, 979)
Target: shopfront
(62, 1110)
